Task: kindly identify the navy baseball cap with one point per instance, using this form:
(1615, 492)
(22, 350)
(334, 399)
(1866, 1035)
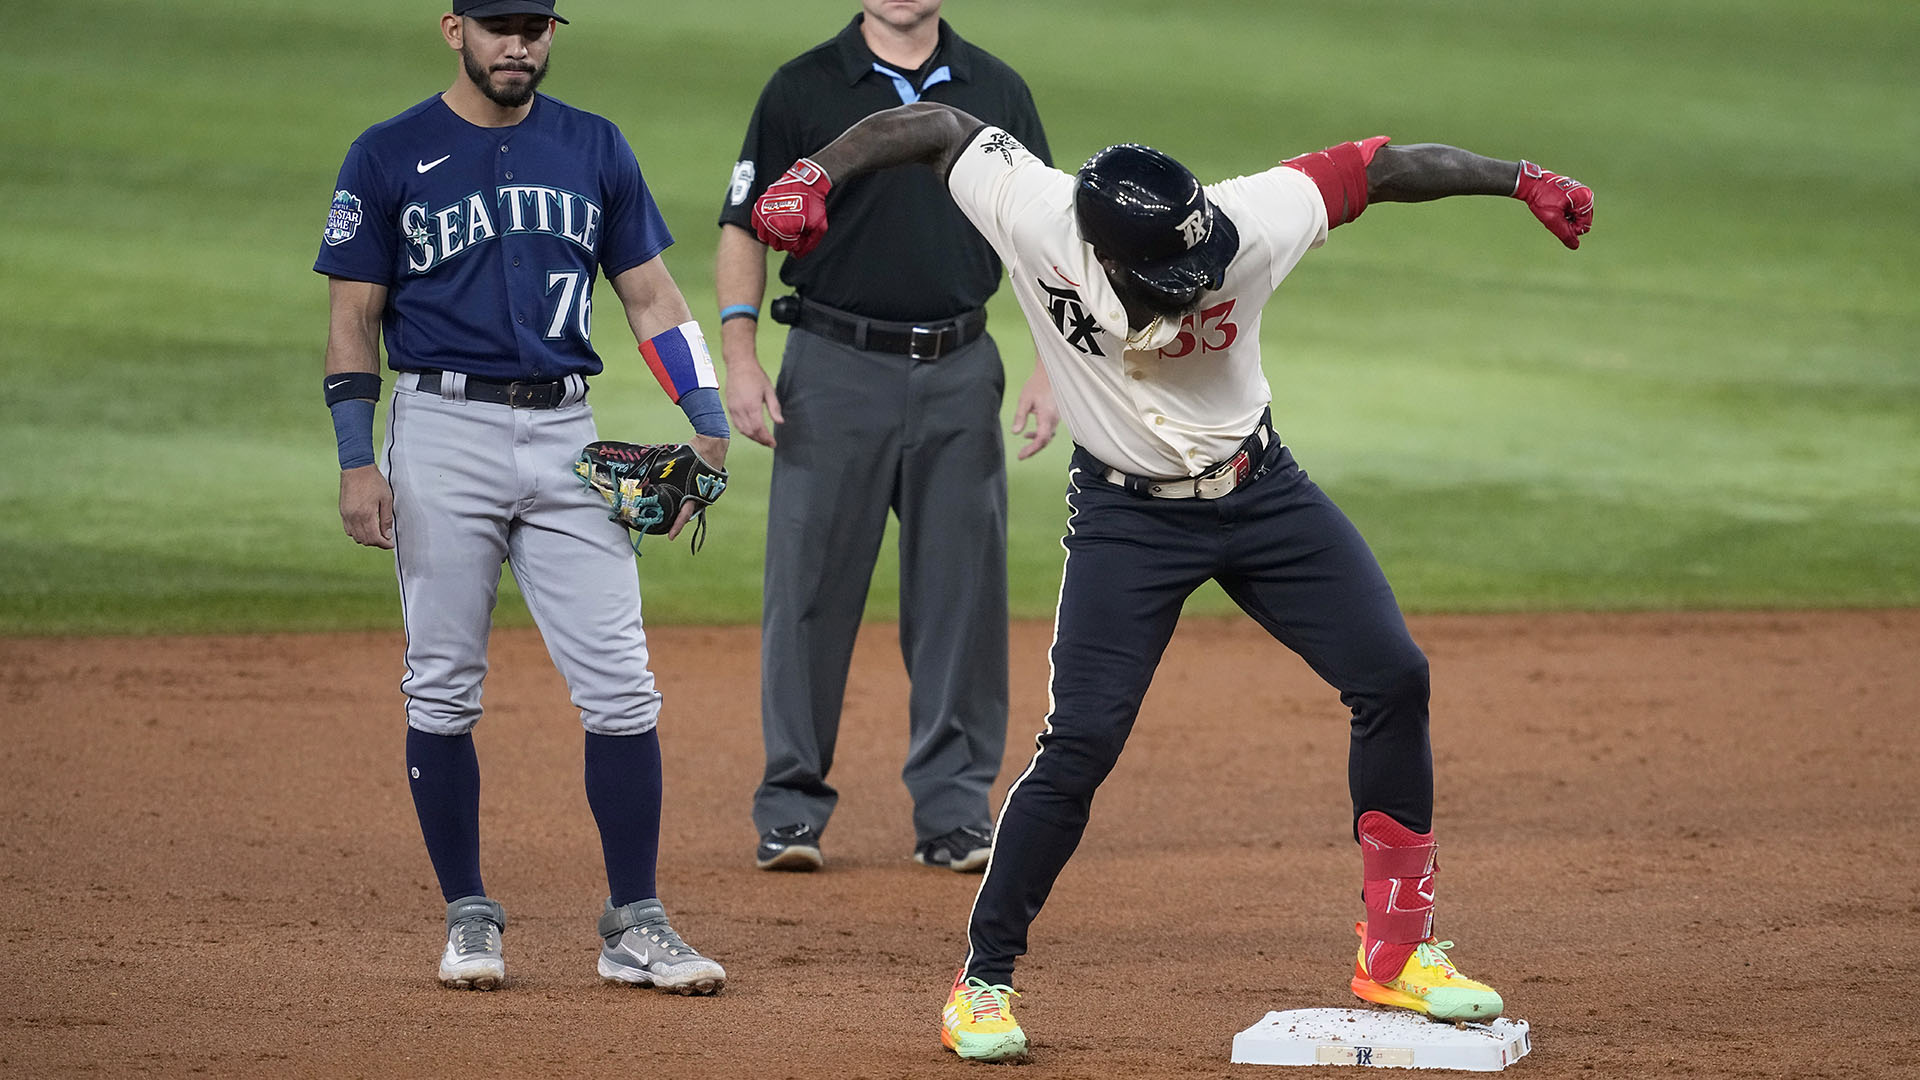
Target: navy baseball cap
(1143, 209)
(480, 9)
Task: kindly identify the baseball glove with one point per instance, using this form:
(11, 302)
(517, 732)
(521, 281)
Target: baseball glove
(646, 484)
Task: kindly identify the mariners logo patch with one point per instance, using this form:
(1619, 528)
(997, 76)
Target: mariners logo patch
(343, 218)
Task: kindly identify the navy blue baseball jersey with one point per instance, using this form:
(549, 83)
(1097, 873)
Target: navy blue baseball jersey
(489, 240)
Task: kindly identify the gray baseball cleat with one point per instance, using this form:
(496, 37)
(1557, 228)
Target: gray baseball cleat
(473, 960)
(642, 950)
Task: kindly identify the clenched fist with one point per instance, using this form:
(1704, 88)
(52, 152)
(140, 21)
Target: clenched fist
(1564, 205)
(792, 215)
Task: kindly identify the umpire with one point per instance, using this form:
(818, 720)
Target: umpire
(888, 399)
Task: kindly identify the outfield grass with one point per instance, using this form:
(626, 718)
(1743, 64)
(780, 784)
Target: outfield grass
(1715, 403)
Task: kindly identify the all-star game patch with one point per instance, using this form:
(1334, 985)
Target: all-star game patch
(343, 218)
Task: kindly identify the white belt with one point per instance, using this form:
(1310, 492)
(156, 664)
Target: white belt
(1212, 484)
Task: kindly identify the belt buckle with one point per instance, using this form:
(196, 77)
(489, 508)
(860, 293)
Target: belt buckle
(1224, 477)
(522, 395)
(914, 338)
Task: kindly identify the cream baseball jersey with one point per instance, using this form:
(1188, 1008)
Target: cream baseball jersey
(1177, 397)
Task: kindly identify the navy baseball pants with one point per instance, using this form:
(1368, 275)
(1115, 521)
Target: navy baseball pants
(1288, 556)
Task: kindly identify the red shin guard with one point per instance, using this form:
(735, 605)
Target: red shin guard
(1397, 865)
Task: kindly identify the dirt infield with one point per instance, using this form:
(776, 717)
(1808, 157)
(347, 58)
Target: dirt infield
(1680, 845)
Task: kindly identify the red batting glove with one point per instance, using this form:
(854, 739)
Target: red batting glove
(1564, 205)
(792, 215)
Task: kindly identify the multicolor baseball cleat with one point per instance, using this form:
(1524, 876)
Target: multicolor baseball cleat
(978, 1022)
(1427, 983)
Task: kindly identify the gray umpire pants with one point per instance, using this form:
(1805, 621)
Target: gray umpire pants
(867, 433)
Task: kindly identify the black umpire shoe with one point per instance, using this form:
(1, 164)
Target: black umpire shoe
(963, 850)
(789, 847)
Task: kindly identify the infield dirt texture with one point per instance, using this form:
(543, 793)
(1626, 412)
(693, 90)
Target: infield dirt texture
(1679, 845)
(1677, 474)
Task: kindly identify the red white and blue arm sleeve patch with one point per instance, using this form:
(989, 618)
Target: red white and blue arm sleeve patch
(1340, 172)
(680, 360)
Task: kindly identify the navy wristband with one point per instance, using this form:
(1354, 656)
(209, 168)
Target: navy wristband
(353, 431)
(705, 412)
(347, 385)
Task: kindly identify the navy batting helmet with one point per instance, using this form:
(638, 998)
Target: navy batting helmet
(1144, 210)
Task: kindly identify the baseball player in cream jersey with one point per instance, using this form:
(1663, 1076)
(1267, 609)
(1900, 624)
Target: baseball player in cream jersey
(1145, 291)
(468, 231)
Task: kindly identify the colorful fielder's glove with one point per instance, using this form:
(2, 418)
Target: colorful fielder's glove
(646, 484)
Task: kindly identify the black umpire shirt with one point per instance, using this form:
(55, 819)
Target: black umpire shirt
(898, 248)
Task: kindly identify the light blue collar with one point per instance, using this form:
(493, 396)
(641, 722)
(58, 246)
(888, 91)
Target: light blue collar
(908, 95)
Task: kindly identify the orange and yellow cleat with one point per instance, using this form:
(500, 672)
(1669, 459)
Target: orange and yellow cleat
(1427, 983)
(978, 1022)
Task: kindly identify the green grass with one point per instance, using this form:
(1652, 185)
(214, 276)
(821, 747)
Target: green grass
(1716, 403)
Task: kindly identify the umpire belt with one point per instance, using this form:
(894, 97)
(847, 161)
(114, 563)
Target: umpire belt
(520, 395)
(1245, 465)
(918, 341)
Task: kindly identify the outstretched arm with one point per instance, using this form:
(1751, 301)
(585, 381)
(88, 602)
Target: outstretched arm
(792, 214)
(1353, 174)
(925, 131)
(1424, 171)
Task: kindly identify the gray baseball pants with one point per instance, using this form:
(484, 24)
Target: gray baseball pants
(477, 484)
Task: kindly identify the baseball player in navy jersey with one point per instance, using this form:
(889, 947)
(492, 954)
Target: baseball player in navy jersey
(1145, 291)
(469, 230)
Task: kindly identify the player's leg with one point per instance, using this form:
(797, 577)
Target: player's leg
(450, 513)
(1301, 569)
(833, 475)
(1131, 563)
(575, 568)
(952, 504)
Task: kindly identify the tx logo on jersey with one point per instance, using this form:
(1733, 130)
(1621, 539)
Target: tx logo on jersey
(434, 236)
(1071, 319)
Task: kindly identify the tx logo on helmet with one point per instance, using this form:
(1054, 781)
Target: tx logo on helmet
(1194, 229)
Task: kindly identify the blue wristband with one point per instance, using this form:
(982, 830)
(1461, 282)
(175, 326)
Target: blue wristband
(705, 412)
(353, 431)
(739, 311)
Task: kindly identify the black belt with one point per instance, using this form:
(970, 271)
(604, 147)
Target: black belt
(921, 341)
(520, 395)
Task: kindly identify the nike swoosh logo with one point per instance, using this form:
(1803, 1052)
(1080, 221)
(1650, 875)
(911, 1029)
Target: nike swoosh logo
(425, 166)
(335, 384)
